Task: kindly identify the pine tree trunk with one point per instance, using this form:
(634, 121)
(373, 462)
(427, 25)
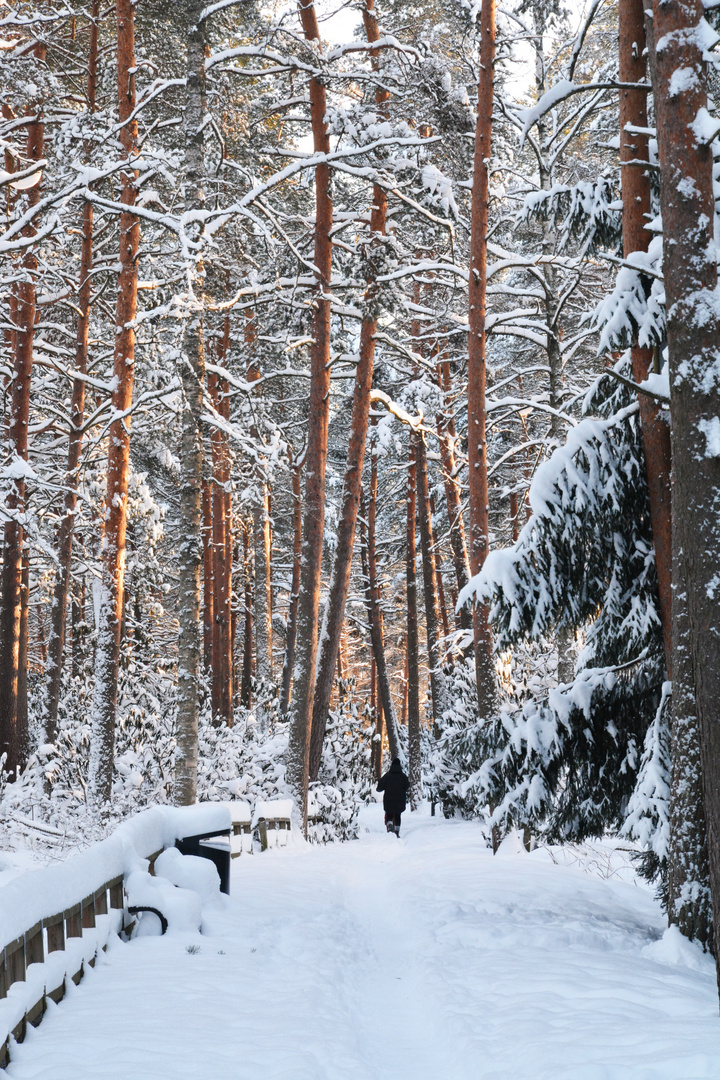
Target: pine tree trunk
(263, 588)
(477, 363)
(446, 439)
(372, 601)
(298, 754)
(689, 902)
(413, 650)
(208, 585)
(635, 182)
(222, 552)
(291, 634)
(247, 665)
(58, 621)
(438, 688)
(107, 656)
(190, 629)
(352, 485)
(13, 711)
(693, 331)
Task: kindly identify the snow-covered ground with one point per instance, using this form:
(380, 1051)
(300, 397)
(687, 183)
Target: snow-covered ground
(419, 959)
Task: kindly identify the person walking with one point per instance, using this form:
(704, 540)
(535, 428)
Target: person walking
(394, 784)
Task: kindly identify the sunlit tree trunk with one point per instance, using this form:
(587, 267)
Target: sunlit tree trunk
(208, 614)
(438, 689)
(291, 633)
(413, 650)
(247, 664)
(352, 486)
(107, 656)
(446, 439)
(635, 181)
(13, 712)
(477, 360)
(298, 755)
(58, 618)
(372, 600)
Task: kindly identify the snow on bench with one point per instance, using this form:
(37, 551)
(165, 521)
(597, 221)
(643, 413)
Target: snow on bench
(53, 921)
(276, 813)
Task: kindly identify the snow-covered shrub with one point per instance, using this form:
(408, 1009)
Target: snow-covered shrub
(345, 782)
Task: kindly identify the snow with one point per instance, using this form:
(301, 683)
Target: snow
(423, 958)
(42, 893)
(272, 810)
(552, 97)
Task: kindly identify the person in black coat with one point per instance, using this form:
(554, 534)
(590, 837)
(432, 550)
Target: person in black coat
(394, 784)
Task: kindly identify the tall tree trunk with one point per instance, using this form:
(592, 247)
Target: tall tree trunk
(208, 587)
(298, 754)
(107, 656)
(477, 364)
(222, 550)
(377, 713)
(438, 688)
(352, 485)
(635, 181)
(263, 587)
(372, 601)
(291, 634)
(439, 584)
(190, 630)
(689, 902)
(693, 331)
(247, 665)
(413, 651)
(446, 439)
(58, 621)
(13, 712)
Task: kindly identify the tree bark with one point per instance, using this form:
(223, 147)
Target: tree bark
(352, 484)
(693, 331)
(58, 620)
(689, 905)
(372, 600)
(247, 665)
(446, 439)
(13, 712)
(190, 630)
(635, 182)
(298, 754)
(477, 364)
(291, 634)
(208, 587)
(222, 549)
(413, 651)
(438, 689)
(107, 656)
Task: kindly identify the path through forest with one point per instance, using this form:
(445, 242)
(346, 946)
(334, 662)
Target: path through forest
(419, 959)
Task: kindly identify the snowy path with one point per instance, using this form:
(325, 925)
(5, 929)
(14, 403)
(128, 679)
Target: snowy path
(418, 959)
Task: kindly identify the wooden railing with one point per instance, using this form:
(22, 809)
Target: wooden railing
(35, 965)
(52, 935)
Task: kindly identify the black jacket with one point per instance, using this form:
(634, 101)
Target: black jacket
(394, 784)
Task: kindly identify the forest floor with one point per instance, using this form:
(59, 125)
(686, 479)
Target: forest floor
(424, 958)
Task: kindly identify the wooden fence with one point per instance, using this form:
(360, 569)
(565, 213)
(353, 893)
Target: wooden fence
(52, 935)
(35, 967)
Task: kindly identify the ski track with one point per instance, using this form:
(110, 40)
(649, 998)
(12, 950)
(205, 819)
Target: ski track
(419, 959)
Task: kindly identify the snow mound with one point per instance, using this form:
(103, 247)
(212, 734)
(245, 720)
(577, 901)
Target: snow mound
(675, 949)
(181, 907)
(189, 872)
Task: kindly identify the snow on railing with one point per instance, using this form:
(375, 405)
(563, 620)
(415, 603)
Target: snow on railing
(54, 921)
